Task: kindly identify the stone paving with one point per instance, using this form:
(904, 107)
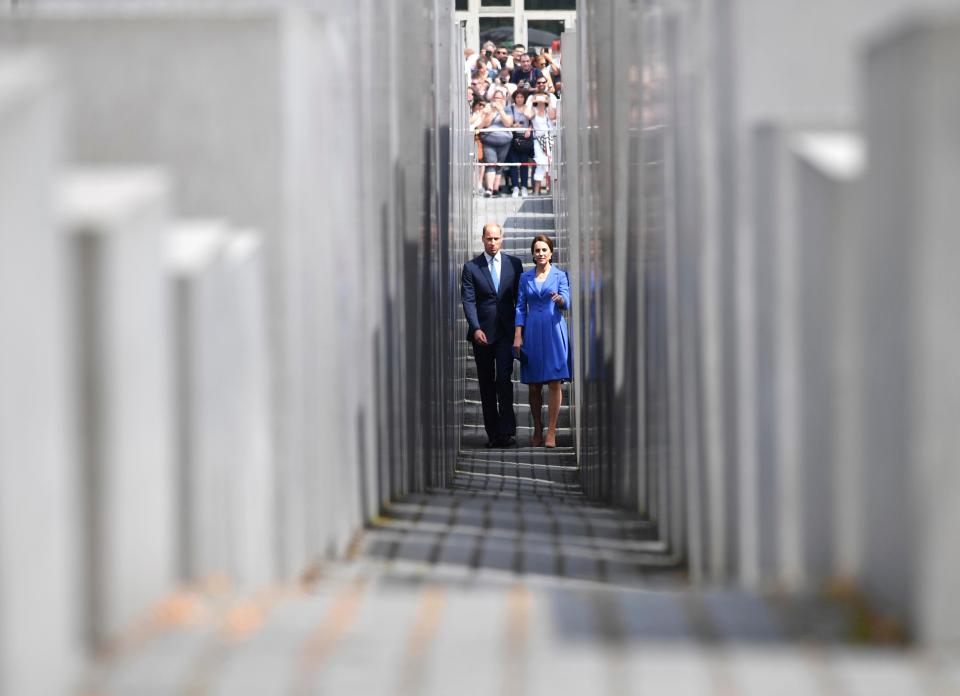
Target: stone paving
(466, 625)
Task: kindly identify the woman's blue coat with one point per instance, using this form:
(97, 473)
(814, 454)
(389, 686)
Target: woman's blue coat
(546, 342)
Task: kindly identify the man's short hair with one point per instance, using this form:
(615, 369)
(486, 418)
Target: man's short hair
(516, 46)
(483, 232)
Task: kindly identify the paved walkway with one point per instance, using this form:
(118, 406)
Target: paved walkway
(403, 626)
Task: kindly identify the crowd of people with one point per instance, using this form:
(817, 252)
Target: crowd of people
(513, 96)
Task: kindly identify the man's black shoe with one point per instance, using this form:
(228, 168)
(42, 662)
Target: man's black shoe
(506, 441)
(492, 443)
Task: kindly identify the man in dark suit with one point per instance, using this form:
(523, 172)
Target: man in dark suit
(488, 288)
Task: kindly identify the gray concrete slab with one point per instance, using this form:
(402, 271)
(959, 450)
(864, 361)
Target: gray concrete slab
(741, 617)
(40, 639)
(911, 497)
(114, 219)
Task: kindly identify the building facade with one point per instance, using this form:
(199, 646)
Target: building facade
(533, 23)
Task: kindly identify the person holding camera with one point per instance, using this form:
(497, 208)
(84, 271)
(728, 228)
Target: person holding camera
(542, 86)
(542, 117)
(521, 148)
(487, 60)
(526, 72)
(551, 70)
(496, 138)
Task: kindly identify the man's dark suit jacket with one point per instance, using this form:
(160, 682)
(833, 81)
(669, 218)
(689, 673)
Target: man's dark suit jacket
(485, 309)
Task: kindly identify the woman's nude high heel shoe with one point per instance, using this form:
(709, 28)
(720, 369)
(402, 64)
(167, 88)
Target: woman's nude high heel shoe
(537, 440)
(551, 441)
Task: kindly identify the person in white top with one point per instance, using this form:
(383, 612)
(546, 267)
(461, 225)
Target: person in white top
(542, 116)
(550, 68)
(469, 61)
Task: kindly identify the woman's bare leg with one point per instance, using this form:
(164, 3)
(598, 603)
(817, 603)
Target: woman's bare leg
(488, 180)
(554, 399)
(536, 406)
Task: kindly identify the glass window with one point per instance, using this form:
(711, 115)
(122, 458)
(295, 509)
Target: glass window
(550, 5)
(462, 5)
(496, 3)
(496, 29)
(541, 33)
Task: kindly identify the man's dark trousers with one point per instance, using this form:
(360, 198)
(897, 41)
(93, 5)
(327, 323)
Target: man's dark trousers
(495, 373)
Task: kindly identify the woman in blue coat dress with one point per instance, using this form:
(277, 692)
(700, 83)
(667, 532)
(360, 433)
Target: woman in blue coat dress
(541, 331)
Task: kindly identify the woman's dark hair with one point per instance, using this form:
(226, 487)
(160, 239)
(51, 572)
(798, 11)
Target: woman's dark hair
(541, 238)
(521, 92)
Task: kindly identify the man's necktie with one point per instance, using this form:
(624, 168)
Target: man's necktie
(496, 276)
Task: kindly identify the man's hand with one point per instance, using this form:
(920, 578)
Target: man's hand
(479, 337)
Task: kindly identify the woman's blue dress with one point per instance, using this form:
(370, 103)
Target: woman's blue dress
(546, 343)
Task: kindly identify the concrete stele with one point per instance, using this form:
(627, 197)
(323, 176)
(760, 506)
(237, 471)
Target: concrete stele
(240, 115)
(114, 219)
(829, 165)
(912, 326)
(39, 649)
(219, 340)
